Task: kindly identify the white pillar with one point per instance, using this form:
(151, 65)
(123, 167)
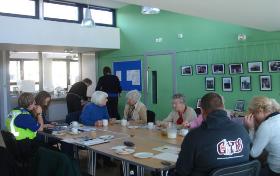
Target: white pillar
(88, 70)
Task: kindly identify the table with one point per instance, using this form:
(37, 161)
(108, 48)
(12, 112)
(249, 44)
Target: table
(144, 139)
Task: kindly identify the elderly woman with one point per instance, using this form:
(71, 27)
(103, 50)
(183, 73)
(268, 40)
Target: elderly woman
(181, 113)
(263, 123)
(135, 109)
(95, 111)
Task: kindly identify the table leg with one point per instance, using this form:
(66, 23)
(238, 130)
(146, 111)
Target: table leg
(164, 173)
(125, 167)
(91, 162)
(46, 139)
(140, 171)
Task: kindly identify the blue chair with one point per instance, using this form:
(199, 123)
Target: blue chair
(251, 168)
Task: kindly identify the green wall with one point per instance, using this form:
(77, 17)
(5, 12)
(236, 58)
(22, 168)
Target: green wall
(204, 42)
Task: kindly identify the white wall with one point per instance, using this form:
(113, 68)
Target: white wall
(50, 33)
(88, 63)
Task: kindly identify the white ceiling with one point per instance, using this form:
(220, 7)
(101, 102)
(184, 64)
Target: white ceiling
(258, 14)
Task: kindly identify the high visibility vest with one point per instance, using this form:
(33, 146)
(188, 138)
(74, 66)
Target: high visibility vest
(19, 133)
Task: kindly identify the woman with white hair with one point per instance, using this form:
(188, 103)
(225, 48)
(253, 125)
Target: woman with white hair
(263, 123)
(134, 108)
(181, 114)
(95, 111)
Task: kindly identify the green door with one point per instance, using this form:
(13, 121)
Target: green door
(159, 89)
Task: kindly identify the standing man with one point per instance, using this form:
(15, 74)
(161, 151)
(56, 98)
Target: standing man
(217, 143)
(77, 95)
(111, 85)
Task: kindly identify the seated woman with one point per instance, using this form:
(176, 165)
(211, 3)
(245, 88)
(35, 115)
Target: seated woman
(94, 112)
(43, 100)
(23, 125)
(263, 123)
(134, 108)
(181, 113)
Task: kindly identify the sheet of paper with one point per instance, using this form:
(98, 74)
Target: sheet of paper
(119, 75)
(134, 76)
(167, 149)
(87, 128)
(167, 157)
(71, 141)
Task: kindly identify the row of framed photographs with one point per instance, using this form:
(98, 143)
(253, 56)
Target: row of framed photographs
(245, 83)
(253, 67)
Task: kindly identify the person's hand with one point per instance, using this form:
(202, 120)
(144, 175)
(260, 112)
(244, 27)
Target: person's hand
(249, 121)
(48, 126)
(38, 110)
(186, 124)
(99, 123)
(83, 102)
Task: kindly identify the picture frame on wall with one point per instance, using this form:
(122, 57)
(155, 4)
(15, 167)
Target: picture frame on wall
(235, 68)
(218, 69)
(210, 83)
(198, 103)
(201, 69)
(186, 70)
(239, 106)
(265, 83)
(274, 66)
(255, 67)
(227, 84)
(245, 83)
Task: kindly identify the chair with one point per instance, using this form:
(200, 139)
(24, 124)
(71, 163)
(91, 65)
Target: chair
(151, 116)
(197, 111)
(73, 116)
(11, 144)
(251, 168)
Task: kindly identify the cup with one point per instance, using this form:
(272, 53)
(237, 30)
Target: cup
(184, 132)
(172, 133)
(74, 124)
(123, 122)
(150, 125)
(74, 130)
(105, 122)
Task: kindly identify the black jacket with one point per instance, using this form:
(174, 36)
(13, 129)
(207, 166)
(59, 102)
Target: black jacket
(109, 84)
(79, 89)
(217, 143)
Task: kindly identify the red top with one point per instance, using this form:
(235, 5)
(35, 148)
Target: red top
(180, 119)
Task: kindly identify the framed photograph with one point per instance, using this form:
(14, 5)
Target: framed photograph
(255, 67)
(186, 70)
(209, 83)
(218, 68)
(239, 106)
(227, 84)
(265, 83)
(235, 68)
(274, 66)
(201, 69)
(245, 83)
(198, 103)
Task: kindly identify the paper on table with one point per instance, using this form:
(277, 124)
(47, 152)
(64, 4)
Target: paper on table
(167, 157)
(71, 141)
(119, 75)
(134, 76)
(168, 149)
(87, 128)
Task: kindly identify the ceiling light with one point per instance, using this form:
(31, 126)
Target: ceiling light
(88, 21)
(149, 10)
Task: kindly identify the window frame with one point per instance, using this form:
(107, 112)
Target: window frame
(103, 9)
(24, 16)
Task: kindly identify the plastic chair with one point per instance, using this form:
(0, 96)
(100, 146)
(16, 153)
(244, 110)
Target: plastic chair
(151, 116)
(251, 168)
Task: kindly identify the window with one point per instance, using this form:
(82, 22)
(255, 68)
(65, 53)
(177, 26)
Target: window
(61, 11)
(59, 74)
(103, 17)
(23, 69)
(18, 7)
(74, 72)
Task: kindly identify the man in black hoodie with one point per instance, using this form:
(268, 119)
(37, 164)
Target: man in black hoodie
(217, 143)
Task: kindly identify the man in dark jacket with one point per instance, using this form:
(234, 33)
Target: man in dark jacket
(111, 85)
(77, 95)
(217, 143)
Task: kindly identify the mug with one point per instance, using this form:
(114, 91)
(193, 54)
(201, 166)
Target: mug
(123, 122)
(105, 122)
(74, 124)
(74, 130)
(184, 132)
(172, 133)
(150, 125)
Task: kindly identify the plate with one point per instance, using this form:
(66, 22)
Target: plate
(132, 126)
(143, 155)
(106, 137)
(70, 132)
(125, 151)
(119, 147)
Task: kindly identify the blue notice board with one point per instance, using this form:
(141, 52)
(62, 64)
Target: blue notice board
(129, 73)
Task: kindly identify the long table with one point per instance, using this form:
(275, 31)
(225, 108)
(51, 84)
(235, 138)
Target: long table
(144, 139)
